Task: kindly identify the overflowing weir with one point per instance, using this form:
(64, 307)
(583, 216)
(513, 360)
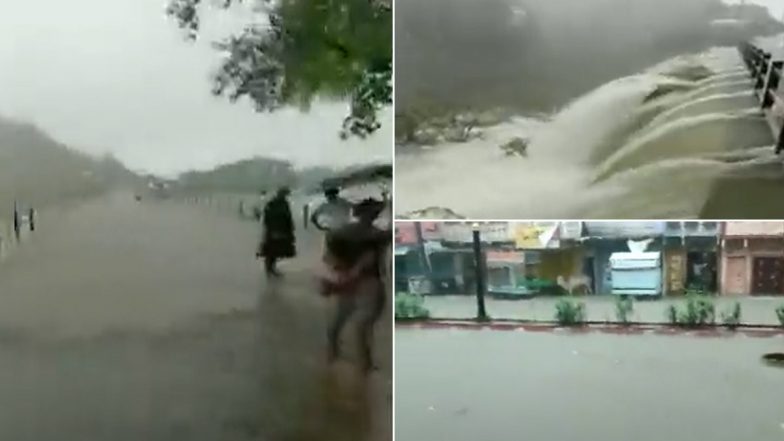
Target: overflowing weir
(687, 138)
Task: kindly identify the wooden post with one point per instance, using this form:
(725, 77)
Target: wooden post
(780, 140)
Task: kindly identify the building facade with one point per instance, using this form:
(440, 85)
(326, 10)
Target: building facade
(601, 239)
(691, 256)
(752, 258)
(729, 258)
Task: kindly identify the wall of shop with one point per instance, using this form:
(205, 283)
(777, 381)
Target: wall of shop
(677, 251)
(751, 229)
(738, 259)
(562, 262)
(674, 270)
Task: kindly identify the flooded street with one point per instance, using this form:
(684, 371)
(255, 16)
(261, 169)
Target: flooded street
(124, 320)
(467, 385)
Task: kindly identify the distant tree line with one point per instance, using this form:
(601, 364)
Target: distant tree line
(267, 174)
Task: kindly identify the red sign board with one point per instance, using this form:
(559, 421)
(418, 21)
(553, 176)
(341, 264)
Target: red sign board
(405, 232)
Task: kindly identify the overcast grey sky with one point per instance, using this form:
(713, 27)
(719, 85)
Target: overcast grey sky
(117, 76)
(776, 7)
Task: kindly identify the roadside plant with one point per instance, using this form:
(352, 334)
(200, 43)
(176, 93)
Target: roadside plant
(672, 315)
(624, 306)
(696, 290)
(731, 316)
(410, 306)
(780, 314)
(569, 312)
(698, 310)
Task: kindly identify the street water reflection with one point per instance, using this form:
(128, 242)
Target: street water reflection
(463, 385)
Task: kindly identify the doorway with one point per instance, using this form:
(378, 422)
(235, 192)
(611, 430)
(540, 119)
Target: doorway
(588, 270)
(767, 276)
(701, 271)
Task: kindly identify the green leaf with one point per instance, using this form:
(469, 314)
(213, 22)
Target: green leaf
(339, 49)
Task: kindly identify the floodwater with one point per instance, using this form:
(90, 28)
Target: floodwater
(467, 385)
(681, 139)
(127, 321)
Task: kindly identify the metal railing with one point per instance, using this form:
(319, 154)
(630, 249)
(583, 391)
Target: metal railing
(15, 230)
(766, 73)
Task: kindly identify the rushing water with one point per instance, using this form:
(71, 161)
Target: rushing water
(685, 139)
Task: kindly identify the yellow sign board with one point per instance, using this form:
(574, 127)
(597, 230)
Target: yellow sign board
(527, 236)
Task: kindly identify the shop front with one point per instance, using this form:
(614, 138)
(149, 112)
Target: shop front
(752, 259)
(691, 257)
(753, 266)
(636, 273)
(602, 239)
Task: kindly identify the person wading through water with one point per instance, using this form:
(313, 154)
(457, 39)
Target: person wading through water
(353, 257)
(278, 239)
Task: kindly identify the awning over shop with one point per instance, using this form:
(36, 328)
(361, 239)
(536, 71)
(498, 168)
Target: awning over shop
(505, 257)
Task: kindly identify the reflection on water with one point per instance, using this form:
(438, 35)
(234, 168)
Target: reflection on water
(467, 385)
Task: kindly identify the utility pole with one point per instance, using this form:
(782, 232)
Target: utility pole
(17, 222)
(481, 286)
(423, 260)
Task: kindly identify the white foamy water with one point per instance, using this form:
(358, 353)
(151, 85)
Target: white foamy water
(730, 100)
(658, 141)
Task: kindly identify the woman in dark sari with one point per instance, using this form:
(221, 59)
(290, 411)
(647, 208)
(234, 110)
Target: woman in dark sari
(278, 237)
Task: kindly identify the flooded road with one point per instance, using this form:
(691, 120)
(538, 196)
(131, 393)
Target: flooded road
(124, 321)
(468, 385)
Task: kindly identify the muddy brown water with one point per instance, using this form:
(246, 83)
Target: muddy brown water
(122, 320)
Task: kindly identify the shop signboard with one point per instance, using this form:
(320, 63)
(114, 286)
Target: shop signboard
(463, 232)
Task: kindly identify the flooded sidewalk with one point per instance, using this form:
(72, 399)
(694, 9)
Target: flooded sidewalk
(754, 310)
(125, 321)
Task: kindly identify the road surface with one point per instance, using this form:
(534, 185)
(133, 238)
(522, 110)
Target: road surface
(472, 385)
(127, 321)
